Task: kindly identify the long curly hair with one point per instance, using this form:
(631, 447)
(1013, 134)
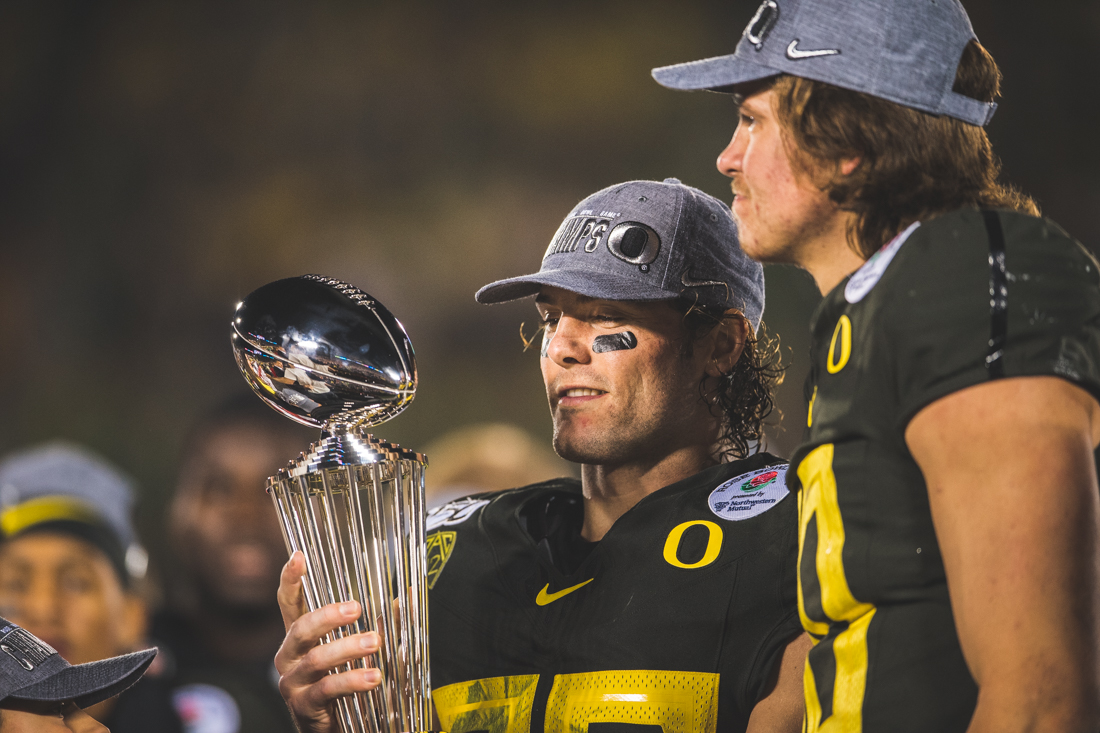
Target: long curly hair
(745, 396)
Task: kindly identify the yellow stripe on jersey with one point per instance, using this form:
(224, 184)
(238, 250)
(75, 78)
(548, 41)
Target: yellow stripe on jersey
(850, 650)
(817, 502)
(679, 702)
(496, 704)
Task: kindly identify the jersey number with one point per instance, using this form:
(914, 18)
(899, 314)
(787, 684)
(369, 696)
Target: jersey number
(679, 702)
(819, 519)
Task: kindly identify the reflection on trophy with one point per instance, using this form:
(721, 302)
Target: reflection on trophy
(326, 354)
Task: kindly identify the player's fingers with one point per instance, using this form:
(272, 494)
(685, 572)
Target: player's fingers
(292, 601)
(311, 702)
(322, 658)
(306, 632)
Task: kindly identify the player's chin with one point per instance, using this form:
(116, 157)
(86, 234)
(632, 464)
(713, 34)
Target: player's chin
(576, 447)
(751, 245)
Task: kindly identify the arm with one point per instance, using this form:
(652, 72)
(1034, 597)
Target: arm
(304, 663)
(1013, 492)
(782, 709)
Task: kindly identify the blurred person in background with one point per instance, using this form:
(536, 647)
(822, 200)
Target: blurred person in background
(69, 569)
(222, 626)
(486, 457)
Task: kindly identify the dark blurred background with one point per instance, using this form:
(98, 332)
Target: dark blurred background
(159, 160)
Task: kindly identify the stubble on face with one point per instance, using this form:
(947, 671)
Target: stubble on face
(641, 429)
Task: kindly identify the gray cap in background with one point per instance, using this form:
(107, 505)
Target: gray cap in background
(904, 51)
(645, 240)
(62, 486)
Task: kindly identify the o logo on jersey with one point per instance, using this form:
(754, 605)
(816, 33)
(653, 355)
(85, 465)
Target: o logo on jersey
(714, 544)
(843, 330)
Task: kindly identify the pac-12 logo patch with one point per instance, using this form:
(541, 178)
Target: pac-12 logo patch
(440, 545)
(749, 494)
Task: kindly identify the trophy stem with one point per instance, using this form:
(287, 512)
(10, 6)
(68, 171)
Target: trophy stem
(385, 577)
(372, 700)
(420, 583)
(341, 582)
(360, 524)
(405, 621)
(325, 561)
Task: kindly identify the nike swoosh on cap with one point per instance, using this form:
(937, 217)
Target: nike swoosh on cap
(689, 282)
(794, 52)
(544, 598)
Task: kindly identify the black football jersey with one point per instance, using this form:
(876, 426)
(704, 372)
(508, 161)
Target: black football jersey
(672, 622)
(953, 302)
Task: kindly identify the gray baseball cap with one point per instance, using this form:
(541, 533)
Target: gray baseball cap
(644, 240)
(30, 669)
(904, 51)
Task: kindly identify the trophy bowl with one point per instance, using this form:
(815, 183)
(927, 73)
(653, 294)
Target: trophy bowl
(318, 349)
(326, 354)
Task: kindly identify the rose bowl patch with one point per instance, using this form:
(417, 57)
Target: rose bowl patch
(750, 494)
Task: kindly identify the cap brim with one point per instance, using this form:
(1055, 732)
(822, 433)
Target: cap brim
(87, 684)
(719, 73)
(592, 284)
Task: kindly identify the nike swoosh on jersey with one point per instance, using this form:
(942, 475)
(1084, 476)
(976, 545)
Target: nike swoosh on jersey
(545, 598)
(794, 52)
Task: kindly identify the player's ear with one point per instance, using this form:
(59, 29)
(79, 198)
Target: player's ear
(729, 341)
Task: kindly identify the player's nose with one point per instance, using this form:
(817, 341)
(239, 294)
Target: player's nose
(729, 160)
(568, 344)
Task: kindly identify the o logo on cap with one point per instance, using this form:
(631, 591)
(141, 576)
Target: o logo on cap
(762, 23)
(634, 243)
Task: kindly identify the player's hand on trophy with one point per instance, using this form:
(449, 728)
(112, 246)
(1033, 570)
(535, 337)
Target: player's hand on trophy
(304, 663)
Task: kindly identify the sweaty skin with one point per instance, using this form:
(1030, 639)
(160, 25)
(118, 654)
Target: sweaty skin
(614, 342)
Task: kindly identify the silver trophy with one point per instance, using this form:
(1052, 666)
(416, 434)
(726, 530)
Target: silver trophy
(326, 354)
